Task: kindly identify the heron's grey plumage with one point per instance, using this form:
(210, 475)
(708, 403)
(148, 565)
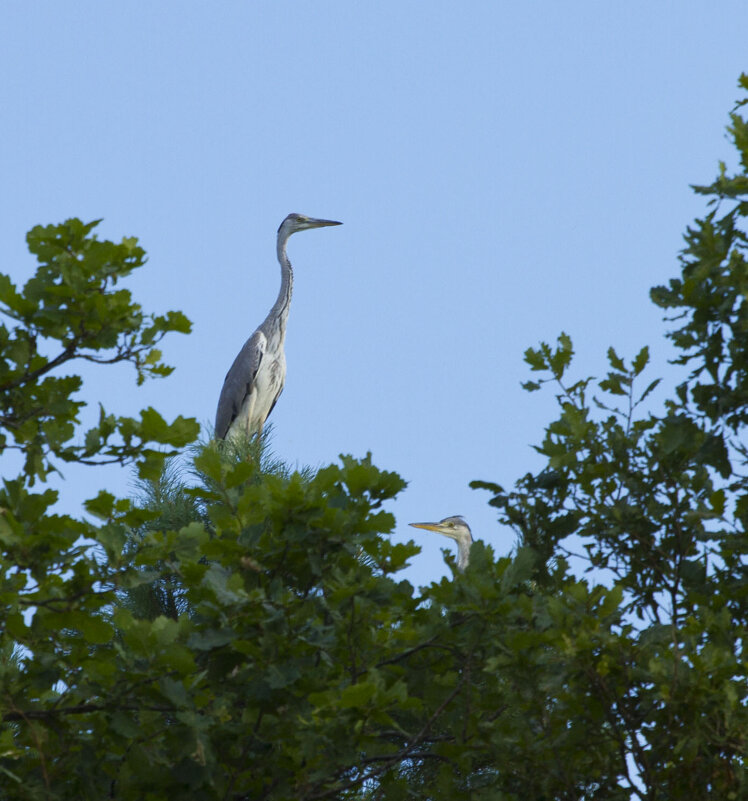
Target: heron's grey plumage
(255, 380)
(457, 529)
(238, 382)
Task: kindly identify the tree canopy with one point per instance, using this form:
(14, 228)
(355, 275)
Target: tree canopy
(244, 633)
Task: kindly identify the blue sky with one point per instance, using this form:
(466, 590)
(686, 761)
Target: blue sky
(504, 171)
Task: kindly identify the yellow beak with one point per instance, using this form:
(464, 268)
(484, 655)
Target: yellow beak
(427, 526)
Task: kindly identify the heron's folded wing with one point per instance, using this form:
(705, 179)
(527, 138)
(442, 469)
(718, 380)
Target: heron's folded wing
(238, 382)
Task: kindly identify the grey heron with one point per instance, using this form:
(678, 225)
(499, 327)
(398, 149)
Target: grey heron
(255, 380)
(456, 529)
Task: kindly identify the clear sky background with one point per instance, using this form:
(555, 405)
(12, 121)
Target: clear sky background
(504, 171)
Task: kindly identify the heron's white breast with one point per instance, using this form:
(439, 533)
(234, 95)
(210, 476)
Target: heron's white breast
(268, 384)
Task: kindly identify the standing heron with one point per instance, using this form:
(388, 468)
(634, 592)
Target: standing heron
(256, 378)
(456, 529)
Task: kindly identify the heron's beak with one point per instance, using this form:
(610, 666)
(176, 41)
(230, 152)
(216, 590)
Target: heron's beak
(428, 526)
(313, 222)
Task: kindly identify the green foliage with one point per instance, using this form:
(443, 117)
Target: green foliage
(711, 296)
(658, 502)
(72, 308)
(240, 631)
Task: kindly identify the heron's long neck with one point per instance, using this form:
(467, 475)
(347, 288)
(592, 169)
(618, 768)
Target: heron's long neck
(279, 313)
(463, 553)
